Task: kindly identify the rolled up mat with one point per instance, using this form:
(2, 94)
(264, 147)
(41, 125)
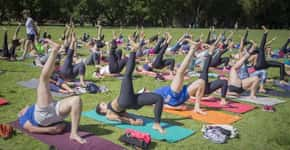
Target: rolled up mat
(231, 106)
(62, 141)
(261, 100)
(3, 101)
(213, 117)
(173, 133)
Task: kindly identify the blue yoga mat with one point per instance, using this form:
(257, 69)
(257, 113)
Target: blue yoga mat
(173, 133)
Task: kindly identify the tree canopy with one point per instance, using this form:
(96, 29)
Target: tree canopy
(199, 13)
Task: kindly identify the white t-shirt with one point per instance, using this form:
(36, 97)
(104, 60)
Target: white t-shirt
(105, 70)
(29, 26)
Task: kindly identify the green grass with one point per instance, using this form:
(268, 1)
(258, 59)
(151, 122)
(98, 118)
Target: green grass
(258, 130)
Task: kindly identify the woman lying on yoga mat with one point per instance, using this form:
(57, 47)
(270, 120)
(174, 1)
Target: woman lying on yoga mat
(116, 109)
(46, 116)
(9, 52)
(262, 63)
(116, 63)
(70, 71)
(177, 94)
(158, 61)
(223, 48)
(237, 85)
(95, 53)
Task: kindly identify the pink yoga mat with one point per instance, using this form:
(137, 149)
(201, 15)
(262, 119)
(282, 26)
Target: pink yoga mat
(232, 106)
(3, 101)
(62, 142)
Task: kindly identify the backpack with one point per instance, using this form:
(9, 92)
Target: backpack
(136, 139)
(93, 88)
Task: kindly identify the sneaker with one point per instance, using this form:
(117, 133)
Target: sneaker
(268, 108)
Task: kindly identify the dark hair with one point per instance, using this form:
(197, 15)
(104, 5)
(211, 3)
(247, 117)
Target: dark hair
(98, 110)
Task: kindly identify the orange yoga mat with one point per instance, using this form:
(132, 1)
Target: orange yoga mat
(212, 117)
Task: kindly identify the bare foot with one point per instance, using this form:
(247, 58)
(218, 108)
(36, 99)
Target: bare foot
(78, 139)
(265, 29)
(283, 82)
(223, 102)
(158, 128)
(262, 91)
(252, 97)
(199, 111)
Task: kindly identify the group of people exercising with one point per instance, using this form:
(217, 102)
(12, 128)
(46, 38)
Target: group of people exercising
(47, 115)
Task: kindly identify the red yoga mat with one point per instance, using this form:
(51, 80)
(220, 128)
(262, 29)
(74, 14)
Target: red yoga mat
(3, 101)
(232, 106)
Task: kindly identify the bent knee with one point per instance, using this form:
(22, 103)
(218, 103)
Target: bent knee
(76, 100)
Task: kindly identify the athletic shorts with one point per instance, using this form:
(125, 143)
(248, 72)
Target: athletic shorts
(235, 89)
(31, 37)
(48, 115)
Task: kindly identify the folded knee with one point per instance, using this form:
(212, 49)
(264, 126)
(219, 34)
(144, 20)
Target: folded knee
(76, 100)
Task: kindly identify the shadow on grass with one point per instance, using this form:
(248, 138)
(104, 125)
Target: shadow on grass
(95, 129)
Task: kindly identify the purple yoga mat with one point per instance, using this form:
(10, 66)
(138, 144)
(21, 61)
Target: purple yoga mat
(62, 141)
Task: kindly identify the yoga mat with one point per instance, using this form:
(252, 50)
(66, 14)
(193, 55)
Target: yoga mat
(173, 133)
(212, 117)
(3, 101)
(285, 87)
(62, 141)
(261, 100)
(33, 83)
(219, 71)
(232, 106)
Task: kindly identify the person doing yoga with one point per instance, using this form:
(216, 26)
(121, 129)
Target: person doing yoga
(236, 85)
(177, 94)
(9, 52)
(159, 62)
(262, 63)
(116, 109)
(70, 71)
(46, 116)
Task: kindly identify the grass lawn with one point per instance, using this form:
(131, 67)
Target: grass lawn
(258, 130)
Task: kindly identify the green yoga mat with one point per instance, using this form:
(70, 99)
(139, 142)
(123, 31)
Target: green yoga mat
(173, 133)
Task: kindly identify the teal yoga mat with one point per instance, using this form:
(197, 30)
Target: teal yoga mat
(173, 133)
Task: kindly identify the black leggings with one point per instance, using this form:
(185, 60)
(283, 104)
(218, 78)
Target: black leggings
(261, 60)
(157, 48)
(214, 85)
(5, 46)
(70, 71)
(284, 47)
(217, 60)
(94, 59)
(208, 39)
(245, 39)
(129, 100)
(6, 52)
(116, 63)
(159, 63)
